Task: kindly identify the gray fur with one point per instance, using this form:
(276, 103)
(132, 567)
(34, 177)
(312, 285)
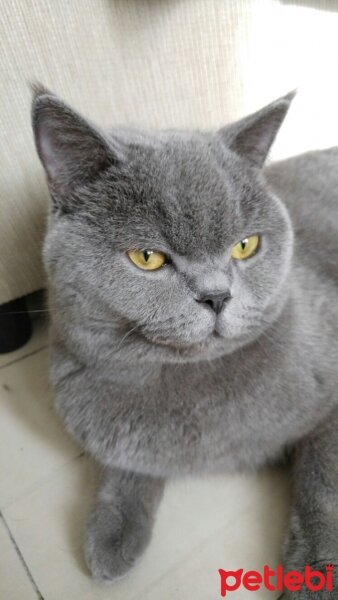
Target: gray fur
(149, 380)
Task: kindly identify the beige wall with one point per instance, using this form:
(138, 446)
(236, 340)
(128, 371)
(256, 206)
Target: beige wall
(159, 63)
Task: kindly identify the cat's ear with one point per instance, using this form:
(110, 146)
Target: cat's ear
(70, 148)
(252, 137)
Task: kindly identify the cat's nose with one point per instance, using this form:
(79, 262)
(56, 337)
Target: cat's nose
(215, 300)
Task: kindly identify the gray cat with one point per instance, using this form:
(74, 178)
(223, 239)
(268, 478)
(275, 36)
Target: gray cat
(194, 307)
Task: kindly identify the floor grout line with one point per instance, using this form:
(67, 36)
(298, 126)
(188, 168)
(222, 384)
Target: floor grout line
(40, 482)
(15, 360)
(21, 558)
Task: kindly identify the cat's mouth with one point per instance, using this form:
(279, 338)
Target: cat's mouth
(214, 345)
(181, 346)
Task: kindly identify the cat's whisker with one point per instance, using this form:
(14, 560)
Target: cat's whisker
(25, 312)
(126, 335)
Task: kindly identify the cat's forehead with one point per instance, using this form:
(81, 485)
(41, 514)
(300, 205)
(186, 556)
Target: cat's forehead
(186, 189)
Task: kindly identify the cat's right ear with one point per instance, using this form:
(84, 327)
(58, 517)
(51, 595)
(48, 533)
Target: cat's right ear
(252, 137)
(72, 150)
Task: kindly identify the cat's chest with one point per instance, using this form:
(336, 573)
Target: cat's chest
(211, 416)
(224, 414)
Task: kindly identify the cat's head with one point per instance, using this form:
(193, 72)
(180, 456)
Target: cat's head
(170, 233)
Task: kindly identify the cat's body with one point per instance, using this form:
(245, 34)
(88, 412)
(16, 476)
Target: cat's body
(239, 410)
(145, 401)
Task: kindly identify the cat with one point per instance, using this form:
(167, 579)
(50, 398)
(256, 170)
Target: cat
(193, 296)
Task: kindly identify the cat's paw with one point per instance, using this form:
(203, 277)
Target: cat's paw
(115, 540)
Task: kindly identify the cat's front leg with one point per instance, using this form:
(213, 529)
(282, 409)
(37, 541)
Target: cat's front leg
(120, 523)
(313, 533)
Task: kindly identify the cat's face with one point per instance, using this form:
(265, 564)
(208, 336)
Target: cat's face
(188, 198)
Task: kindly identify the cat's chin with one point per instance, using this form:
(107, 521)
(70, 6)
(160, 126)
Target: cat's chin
(213, 346)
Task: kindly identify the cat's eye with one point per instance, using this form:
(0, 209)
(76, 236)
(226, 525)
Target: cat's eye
(148, 260)
(245, 248)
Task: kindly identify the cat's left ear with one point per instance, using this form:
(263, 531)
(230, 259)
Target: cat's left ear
(71, 149)
(252, 137)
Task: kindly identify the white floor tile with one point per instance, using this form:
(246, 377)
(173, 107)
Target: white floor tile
(14, 581)
(202, 525)
(33, 441)
(247, 533)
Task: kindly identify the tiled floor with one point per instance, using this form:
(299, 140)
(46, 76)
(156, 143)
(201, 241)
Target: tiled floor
(46, 484)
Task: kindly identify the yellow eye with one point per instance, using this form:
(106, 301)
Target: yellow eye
(148, 260)
(245, 248)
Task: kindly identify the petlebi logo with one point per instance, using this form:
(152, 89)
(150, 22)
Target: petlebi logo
(276, 580)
